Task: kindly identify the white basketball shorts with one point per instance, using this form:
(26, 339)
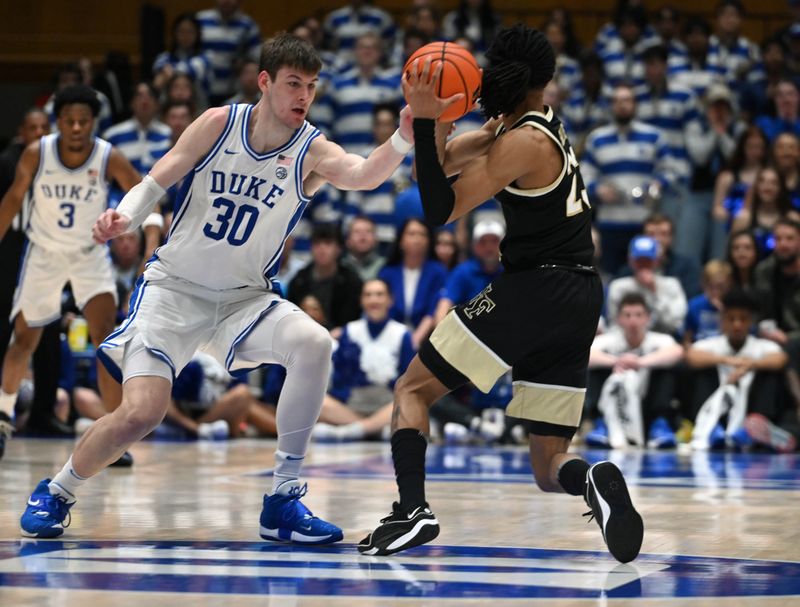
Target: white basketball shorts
(44, 273)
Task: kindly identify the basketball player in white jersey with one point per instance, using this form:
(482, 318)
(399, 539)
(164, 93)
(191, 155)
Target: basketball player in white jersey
(250, 171)
(68, 173)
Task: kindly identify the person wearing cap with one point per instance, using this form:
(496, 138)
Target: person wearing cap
(630, 380)
(470, 277)
(700, 235)
(663, 294)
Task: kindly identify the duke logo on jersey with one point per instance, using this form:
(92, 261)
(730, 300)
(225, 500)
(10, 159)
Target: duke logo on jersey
(236, 209)
(234, 184)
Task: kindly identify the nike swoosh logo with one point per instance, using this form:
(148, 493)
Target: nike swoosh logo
(230, 152)
(294, 459)
(34, 502)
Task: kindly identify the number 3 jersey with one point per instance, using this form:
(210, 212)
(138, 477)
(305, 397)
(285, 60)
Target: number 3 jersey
(66, 202)
(552, 224)
(235, 210)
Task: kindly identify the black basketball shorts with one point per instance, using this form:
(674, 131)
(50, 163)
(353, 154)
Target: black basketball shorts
(539, 323)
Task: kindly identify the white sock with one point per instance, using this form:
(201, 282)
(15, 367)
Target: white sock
(352, 431)
(287, 468)
(66, 483)
(7, 402)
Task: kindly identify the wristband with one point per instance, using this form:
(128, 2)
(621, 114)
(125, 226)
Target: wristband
(399, 144)
(140, 200)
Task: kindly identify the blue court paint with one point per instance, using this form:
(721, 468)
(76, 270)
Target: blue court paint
(427, 571)
(643, 468)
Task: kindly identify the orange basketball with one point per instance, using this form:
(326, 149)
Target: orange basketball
(460, 74)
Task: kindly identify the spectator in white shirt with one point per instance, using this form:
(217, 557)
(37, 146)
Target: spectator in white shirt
(630, 381)
(744, 380)
(663, 294)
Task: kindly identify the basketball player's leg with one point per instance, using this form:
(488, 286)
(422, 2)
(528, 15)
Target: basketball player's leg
(15, 365)
(18, 355)
(37, 302)
(428, 378)
(146, 392)
(292, 339)
(549, 394)
(100, 312)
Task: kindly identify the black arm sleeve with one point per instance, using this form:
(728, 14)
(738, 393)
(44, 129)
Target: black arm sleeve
(437, 196)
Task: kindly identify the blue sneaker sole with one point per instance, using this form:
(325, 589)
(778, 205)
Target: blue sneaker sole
(295, 537)
(43, 535)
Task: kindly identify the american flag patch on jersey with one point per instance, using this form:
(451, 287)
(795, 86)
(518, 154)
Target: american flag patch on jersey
(285, 160)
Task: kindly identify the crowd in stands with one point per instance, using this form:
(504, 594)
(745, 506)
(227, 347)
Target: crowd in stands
(688, 138)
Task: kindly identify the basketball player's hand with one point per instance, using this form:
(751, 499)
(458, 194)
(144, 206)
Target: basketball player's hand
(109, 225)
(406, 124)
(419, 89)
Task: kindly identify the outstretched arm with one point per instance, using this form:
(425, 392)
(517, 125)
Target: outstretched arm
(353, 172)
(196, 141)
(12, 201)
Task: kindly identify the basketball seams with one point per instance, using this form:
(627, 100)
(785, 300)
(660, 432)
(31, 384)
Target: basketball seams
(460, 73)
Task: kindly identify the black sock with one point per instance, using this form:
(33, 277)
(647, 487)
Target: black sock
(408, 453)
(572, 476)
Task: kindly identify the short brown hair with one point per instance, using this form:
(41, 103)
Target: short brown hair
(288, 50)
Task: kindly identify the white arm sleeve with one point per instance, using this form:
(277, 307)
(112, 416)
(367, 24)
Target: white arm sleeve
(139, 201)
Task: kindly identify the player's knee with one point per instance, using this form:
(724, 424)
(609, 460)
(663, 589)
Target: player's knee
(315, 341)
(24, 343)
(138, 420)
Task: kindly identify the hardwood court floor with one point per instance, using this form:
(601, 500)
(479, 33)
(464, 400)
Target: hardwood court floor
(182, 526)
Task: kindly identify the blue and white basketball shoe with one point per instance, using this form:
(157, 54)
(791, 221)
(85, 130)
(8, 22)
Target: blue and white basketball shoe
(284, 518)
(45, 514)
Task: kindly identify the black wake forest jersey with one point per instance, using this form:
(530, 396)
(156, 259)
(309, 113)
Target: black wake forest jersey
(549, 225)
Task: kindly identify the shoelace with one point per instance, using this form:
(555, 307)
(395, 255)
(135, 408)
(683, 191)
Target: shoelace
(393, 513)
(297, 492)
(63, 510)
(590, 514)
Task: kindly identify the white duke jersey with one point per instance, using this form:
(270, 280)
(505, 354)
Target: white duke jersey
(66, 202)
(235, 210)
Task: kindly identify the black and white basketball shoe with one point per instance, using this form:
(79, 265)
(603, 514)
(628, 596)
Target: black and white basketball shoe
(401, 530)
(611, 506)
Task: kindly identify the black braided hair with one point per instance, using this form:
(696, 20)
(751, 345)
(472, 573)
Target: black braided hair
(519, 59)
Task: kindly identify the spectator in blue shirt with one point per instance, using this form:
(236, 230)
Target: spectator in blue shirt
(415, 279)
(373, 352)
(703, 315)
(473, 275)
(787, 111)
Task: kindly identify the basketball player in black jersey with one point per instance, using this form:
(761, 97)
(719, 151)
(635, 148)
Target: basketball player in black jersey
(538, 318)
